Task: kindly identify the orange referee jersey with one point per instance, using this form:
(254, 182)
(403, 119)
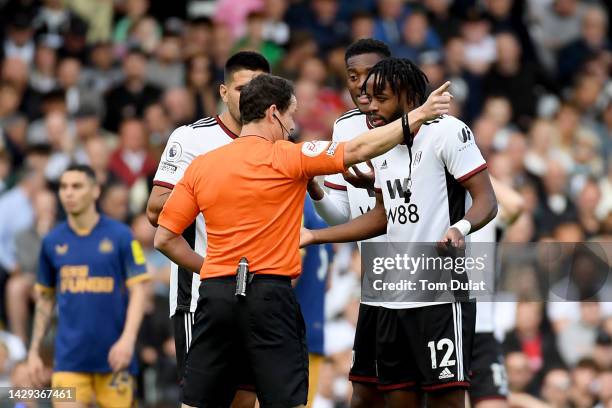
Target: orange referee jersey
(251, 193)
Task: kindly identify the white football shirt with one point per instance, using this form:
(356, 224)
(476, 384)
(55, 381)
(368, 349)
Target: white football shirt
(185, 144)
(444, 154)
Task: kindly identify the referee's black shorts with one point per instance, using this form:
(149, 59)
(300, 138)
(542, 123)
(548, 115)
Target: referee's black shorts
(263, 332)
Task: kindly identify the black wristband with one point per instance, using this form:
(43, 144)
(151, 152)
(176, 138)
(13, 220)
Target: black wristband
(406, 130)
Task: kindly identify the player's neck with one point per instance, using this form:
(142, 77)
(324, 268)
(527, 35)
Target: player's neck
(83, 223)
(230, 123)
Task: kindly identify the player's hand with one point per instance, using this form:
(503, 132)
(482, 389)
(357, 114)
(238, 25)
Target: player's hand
(36, 369)
(438, 103)
(359, 179)
(453, 238)
(314, 190)
(306, 237)
(120, 354)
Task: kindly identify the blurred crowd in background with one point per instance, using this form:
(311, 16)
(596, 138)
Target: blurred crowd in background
(104, 82)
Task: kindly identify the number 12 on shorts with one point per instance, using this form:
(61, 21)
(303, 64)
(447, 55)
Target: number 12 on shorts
(445, 345)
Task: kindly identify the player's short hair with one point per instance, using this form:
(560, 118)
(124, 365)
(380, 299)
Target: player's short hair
(83, 168)
(402, 75)
(253, 61)
(367, 46)
(262, 92)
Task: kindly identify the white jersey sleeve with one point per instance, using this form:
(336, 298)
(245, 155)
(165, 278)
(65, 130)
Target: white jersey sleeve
(177, 156)
(334, 207)
(457, 149)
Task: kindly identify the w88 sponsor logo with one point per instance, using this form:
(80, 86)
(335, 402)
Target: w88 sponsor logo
(403, 214)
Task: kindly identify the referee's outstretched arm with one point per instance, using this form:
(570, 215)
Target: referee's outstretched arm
(380, 140)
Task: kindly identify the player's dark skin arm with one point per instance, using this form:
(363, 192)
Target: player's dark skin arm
(45, 303)
(369, 225)
(156, 202)
(176, 248)
(483, 209)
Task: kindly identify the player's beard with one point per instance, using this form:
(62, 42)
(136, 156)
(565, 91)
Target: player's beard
(376, 120)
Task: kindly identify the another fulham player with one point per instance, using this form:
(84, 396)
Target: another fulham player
(184, 145)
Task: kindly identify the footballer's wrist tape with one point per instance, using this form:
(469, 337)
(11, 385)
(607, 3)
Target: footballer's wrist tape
(463, 226)
(408, 135)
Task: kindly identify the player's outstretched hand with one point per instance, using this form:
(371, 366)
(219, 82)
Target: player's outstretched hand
(36, 369)
(120, 354)
(454, 238)
(359, 179)
(438, 103)
(306, 237)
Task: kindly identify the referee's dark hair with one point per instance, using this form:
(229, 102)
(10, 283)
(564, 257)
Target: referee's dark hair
(402, 75)
(83, 168)
(262, 92)
(367, 46)
(253, 61)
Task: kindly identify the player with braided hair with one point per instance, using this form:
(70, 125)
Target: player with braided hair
(423, 348)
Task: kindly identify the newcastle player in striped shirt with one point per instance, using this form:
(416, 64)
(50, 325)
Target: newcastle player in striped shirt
(184, 145)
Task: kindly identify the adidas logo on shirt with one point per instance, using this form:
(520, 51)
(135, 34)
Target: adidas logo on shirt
(446, 373)
(383, 165)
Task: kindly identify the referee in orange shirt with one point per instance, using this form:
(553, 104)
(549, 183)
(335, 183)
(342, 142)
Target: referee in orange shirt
(251, 193)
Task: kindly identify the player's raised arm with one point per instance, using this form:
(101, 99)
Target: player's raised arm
(369, 225)
(380, 140)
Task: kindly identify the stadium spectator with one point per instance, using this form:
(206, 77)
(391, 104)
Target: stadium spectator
(582, 392)
(115, 201)
(198, 38)
(132, 161)
(179, 105)
(593, 40)
(275, 29)
(135, 10)
(445, 23)
(577, 339)
(200, 83)
(19, 42)
(42, 77)
(534, 339)
(556, 387)
(101, 73)
(388, 24)
(553, 25)
(133, 95)
(166, 69)
(254, 40)
(27, 242)
(479, 47)
(417, 38)
(513, 79)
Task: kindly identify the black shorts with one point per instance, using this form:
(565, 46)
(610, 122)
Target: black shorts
(363, 368)
(488, 371)
(182, 322)
(425, 348)
(263, 332)
(183, 329)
